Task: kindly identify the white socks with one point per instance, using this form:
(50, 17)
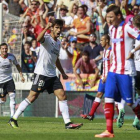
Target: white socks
(23, 105)
(63, 106)
(121, 104)
(12, 103)
(97, 99)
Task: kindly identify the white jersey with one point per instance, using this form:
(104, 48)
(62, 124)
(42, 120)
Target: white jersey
(6, 67)
(123, 38)
(49, 52)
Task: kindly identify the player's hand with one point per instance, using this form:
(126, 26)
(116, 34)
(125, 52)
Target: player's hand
(65, 77)
(130, 56)
(22, 79)
(48, 25)
(104, 80)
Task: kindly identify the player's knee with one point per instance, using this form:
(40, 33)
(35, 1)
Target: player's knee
(129, 104)
(12, 96)
(32, 96)
(62, 96)
(99, 95)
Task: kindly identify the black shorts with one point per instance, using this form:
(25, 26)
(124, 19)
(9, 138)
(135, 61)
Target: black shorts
(137, 80)
(42, 83)
(7, 87)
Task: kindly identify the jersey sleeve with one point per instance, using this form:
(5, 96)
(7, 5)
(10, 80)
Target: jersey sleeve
(46, 41)
(132, 32)
(15, 60)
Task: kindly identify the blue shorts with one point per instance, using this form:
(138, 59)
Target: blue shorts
(124, 85)
(101, 87)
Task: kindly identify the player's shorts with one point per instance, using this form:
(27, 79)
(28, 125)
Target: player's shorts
(7, 87)
(137, 80)
(124, 84)
(42, 83)
(101, 87)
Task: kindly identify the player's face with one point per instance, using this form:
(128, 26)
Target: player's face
(34, 44)
(103, 41)
(4, 50)
(112, 18)
(33, 6)
(57, 30)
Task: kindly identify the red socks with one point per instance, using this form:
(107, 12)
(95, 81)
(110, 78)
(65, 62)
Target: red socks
(109, 114)
(137, 111)
(94, 107)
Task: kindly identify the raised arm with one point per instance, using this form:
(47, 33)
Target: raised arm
(40, 37)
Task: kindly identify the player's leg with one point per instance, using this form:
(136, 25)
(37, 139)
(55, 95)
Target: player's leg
(63, 106)
(33, 95)
(110, 90)
(120, 119)
(96, 103)
(10, 88)
(128, 92)
(23, 105)
(2, 100)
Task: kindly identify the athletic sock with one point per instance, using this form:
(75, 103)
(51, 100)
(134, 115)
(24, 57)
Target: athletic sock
(63, 106)
(109, 113)
(12, 103)
(95, 105)
(121, 104)
(136, 108)
(23, 105)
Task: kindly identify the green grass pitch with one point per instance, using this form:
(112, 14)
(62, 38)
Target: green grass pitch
(35, 128)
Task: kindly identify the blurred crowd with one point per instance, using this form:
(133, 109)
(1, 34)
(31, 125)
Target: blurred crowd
(85, 23)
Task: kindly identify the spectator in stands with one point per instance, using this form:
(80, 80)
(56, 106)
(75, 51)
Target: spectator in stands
(82, 25)
(68, 3)
(91, 4)
(73, 11)
(86, 66)
(68, 19)
(27, 34)
(5, 7)
(95, 51)
(65, 56)
(34, 48)
(28, 63)
(14, 7)
(100, 14)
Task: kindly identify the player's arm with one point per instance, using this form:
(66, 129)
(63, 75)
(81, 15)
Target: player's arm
(58, 65)
(40, 37)
(20, 72)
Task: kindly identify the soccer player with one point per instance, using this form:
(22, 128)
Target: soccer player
(105, 42)
(45, 74)
(122, 68)
(7, 85)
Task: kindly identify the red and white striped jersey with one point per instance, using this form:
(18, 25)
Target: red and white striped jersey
(106, 61)
(122, 39)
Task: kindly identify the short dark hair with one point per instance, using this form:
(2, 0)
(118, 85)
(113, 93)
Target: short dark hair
(115, 9)
(107, 37)
(3, 44)
(28, 42)
(136, 21)
(58, 22)
(85, 53)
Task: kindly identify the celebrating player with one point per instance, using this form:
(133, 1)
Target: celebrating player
(122, 68)
(45, 74)
(7, 85)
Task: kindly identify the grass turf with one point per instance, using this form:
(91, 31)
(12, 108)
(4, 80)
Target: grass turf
(35, 128)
